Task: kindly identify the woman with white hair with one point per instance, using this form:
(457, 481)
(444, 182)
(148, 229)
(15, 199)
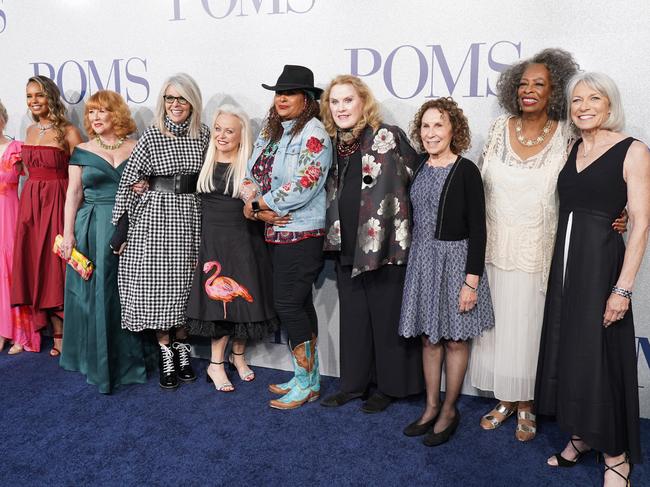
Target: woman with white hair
(164, 225)
(587, 370)
(231, 293)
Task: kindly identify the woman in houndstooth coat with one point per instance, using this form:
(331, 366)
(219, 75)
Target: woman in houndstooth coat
(157, 263)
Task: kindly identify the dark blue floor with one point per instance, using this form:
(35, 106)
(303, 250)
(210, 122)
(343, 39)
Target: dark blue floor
(58, 430)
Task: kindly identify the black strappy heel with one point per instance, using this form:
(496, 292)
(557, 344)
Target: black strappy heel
(613, 469)
(563, 462)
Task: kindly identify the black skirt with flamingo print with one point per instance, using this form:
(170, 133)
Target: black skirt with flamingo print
(231, 290)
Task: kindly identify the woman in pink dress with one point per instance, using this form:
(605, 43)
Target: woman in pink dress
(39, 274)
(15, 323)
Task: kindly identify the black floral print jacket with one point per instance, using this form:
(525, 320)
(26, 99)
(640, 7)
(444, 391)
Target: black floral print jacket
(384, 229)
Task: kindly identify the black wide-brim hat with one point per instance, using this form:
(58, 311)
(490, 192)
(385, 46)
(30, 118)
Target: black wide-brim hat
(295, 78)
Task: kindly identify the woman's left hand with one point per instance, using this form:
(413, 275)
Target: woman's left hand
(468, 296)
(615, 309)
(620, 224)
(272, 218)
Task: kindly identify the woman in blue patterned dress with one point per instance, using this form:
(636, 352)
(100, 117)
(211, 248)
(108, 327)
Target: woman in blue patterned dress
(446, 298)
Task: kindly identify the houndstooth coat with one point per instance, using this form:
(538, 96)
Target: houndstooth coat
(156, 268)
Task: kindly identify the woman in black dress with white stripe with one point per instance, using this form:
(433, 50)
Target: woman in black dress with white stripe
(587, 372)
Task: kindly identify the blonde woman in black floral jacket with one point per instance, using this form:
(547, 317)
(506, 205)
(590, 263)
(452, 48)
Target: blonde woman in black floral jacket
(367, 223)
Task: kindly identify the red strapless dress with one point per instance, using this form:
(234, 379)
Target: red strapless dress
(38, 274)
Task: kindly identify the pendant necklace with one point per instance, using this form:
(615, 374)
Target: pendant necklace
(43, 128)
(536, 141)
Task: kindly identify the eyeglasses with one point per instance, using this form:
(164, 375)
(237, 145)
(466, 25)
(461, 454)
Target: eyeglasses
(169, 99)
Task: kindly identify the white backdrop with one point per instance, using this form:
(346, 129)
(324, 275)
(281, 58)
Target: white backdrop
(407, 51)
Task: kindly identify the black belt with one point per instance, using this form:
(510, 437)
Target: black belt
(178, 183)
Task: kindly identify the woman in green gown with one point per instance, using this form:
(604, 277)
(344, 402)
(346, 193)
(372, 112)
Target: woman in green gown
(95, 344)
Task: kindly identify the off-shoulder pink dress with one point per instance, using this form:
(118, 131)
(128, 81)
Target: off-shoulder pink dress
(16, 323)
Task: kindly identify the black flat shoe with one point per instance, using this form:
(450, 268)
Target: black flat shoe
(339, 399)
(376, 403)
(435, 439)
(415, 429)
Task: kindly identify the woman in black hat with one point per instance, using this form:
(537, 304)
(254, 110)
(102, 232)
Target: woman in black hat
(285, 188)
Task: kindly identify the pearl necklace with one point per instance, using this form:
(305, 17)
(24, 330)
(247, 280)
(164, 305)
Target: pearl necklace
(43, 128)
(105, 146)
(530, 142)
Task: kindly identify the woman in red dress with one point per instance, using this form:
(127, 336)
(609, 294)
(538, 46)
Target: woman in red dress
(39, 275)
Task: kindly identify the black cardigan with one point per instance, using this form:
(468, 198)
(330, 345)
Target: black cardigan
(461, 211)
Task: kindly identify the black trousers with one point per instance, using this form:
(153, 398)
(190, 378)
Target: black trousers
(296, 267)
(371, 348)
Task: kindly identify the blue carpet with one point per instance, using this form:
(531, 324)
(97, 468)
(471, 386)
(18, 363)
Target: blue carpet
(58, 430)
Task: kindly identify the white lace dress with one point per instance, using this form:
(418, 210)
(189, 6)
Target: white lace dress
(521, 214)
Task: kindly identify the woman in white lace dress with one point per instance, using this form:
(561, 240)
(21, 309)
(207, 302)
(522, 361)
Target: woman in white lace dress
(521, 160)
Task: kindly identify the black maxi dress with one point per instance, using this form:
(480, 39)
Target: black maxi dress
(586, 373)
(231, 291)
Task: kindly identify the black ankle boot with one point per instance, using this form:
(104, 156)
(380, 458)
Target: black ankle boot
(182, 361)
(168, 377)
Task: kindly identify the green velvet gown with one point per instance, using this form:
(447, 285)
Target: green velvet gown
(94, 342)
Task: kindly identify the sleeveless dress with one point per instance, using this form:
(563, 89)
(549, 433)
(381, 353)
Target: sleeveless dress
(521, 217)
(238, 246)
(587, 374)
(95, 343)
(436, 271)
(15, 322)
(39, 274)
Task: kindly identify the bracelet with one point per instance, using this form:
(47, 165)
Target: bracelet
(471, 287)
(626, 293)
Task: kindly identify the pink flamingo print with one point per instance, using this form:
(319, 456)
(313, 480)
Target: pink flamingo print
(223, 288)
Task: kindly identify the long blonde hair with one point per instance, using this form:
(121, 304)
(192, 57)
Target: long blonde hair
(237, 169)
(188, 89)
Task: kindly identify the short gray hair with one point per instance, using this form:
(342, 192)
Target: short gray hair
(606, 86)
(3, 113)
(188, 89)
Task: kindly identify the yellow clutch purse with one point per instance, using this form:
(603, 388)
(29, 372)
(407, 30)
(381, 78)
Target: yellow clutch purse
(78, 261)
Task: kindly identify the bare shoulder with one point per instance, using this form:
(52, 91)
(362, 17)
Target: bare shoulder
(72, 131)
(637, 160)
(638, 149)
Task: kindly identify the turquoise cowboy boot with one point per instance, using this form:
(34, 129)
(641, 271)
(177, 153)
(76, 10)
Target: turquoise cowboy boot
(285, 387)
(304, 360)
(315, 375)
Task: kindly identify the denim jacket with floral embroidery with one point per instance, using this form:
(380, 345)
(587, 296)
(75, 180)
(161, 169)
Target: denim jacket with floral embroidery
(384, 229)
(300, 169)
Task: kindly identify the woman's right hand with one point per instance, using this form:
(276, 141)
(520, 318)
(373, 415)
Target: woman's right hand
(120, 251)
(68, 244)
(140, 187)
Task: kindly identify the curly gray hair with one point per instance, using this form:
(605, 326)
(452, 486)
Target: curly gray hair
(561, 67)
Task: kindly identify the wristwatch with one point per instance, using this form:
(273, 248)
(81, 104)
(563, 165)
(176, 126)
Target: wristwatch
(256, 206)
